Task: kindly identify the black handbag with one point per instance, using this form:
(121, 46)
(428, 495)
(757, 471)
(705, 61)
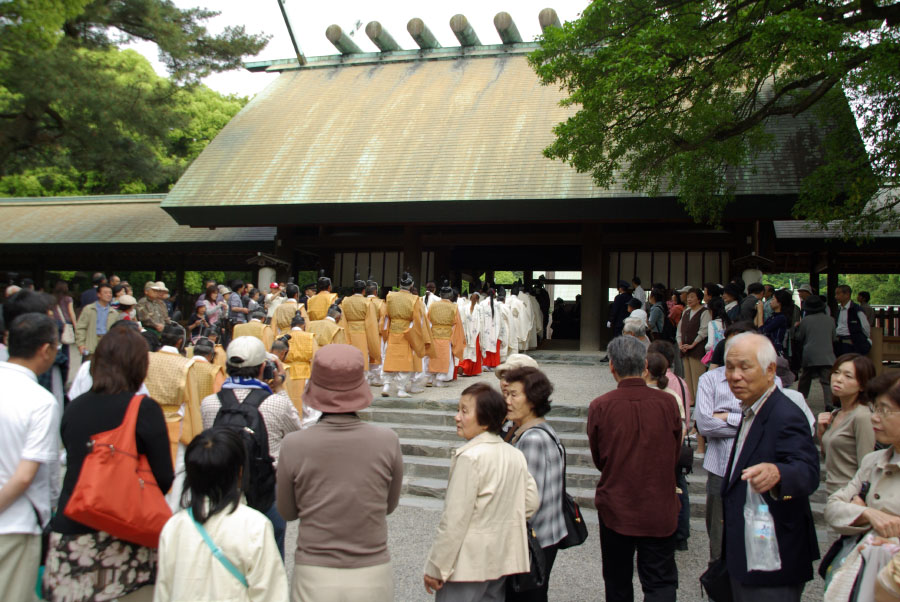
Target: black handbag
(686, 455)
(716, 582)
(537, 574)
(576, 529)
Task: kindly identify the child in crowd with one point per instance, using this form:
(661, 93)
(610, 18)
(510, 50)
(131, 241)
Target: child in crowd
(247, 565)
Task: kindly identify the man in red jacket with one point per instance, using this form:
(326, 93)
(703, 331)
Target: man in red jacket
(635, 434)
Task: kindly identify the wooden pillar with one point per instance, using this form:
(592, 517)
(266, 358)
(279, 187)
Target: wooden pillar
(179, 287)
(832, 282)
(412, 253)
(528, 279)
(601, 305)
(592, 288)
(489, 277)
(813, 271)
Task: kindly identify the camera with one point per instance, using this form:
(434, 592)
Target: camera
(270, 370)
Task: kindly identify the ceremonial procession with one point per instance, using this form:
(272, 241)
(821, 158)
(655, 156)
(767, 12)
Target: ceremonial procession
(593, 302)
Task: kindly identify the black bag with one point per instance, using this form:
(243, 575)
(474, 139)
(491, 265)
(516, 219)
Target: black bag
(686, 455)
(716, 582)
(537, 575)
(259, 476)
(576, 529)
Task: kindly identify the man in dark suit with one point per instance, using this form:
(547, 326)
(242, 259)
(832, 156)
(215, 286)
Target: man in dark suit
(775, 454)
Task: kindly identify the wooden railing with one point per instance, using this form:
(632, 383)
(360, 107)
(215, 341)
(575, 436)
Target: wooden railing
(889, 320)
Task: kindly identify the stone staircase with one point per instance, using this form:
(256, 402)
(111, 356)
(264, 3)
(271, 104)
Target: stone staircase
(427, 434)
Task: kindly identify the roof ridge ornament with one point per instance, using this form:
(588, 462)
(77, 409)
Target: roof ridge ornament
(421, 34)
(380, 37)
(463, 31)
(507, 29)
(341, 40)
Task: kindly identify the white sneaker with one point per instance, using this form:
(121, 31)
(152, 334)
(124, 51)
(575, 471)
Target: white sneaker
(385, 392)
(441, 384)
(402, 393)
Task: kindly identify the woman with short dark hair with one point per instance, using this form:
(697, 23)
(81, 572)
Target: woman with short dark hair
(215, 462)
(528, 394)
(481, 537)
(82, 562)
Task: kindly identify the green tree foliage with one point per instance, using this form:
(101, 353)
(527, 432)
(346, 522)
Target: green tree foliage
(675, 95)
(884, 288)
(79, 115)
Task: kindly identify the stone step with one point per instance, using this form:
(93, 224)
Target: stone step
(561, 424)
(449, 436)
(442, 448)
(450, 405)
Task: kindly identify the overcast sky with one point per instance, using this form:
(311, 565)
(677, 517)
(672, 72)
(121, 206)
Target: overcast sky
(310, 19)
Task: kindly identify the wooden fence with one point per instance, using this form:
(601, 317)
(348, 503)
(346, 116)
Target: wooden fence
(889, 320)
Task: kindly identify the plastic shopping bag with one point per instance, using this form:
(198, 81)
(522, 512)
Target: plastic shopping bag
(760, 542)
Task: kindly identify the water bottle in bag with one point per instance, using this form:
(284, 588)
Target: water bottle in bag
(760, 541)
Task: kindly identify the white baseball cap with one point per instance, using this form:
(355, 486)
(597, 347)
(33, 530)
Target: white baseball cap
(246, 351)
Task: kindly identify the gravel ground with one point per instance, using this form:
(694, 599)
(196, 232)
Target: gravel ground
(577, 574)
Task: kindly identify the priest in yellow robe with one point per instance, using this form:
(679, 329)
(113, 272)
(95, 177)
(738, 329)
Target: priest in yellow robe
(359, 319)
(407, 333)
(302, 348)
(256, 327)
(317, 305)
(449, 338)
(286, 311)
(328, 331)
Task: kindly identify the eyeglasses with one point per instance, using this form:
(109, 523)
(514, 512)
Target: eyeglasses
(882, 410)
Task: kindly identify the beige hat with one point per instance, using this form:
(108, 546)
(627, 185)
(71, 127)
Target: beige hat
(516, 360)
(160, 286)
(338, 381)
(127, 300)
(684, 289)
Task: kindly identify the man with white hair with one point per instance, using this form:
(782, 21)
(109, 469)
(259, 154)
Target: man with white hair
(774, 453)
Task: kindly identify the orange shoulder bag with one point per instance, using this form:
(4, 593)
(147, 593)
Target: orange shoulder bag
(116, 491)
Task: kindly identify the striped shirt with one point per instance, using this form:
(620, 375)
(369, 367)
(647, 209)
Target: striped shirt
(546, 466)
(713, 396)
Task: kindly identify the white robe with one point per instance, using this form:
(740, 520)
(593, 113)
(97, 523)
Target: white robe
(490, 326)
(504, 335)
(472, 324)
(518, 310)
(526, 318)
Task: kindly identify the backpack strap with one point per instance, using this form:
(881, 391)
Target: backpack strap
(227, 398)
(217, 551)
(256, 397)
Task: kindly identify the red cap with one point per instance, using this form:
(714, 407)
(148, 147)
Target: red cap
(273, 285)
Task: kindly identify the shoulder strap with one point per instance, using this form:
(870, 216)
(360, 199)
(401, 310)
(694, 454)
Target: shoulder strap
(217, 551)
(562, 452)
(227, 398)
(256, 397)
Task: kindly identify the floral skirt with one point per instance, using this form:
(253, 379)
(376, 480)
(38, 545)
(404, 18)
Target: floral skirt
(95, 567)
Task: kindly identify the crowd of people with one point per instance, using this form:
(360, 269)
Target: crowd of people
(246, 415)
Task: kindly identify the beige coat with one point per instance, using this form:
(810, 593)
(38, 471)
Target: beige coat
(86, 327)
(482, 531)
(884, 492)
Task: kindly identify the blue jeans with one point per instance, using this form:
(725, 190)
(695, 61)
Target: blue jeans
(280, 527)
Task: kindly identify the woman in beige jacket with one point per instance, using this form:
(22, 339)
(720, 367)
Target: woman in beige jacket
(481, 537)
